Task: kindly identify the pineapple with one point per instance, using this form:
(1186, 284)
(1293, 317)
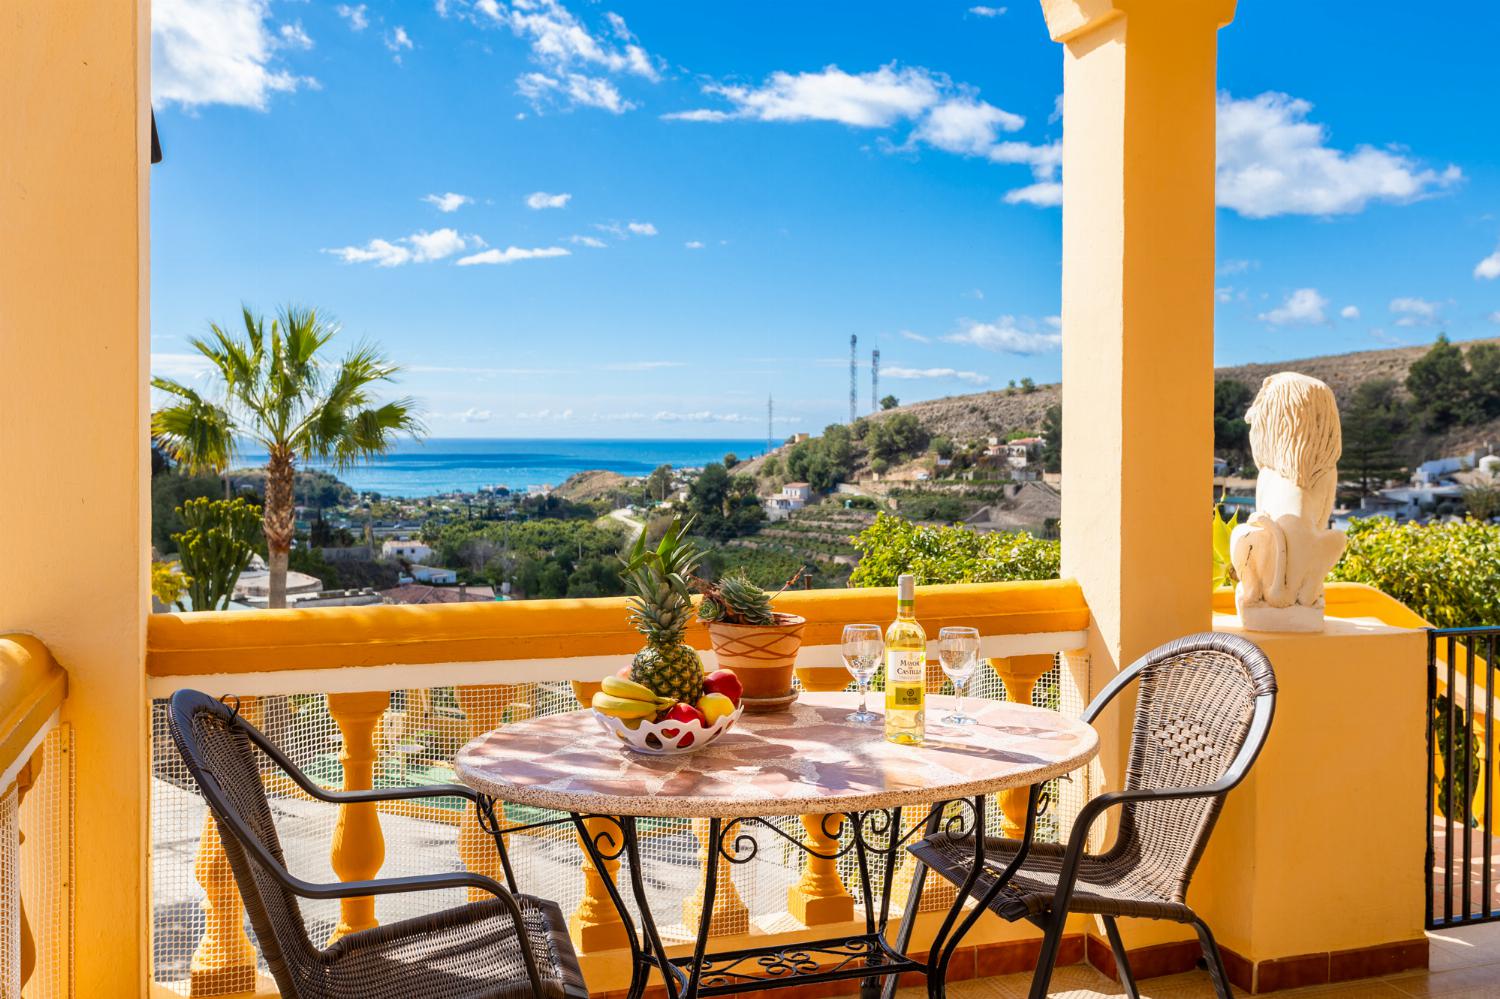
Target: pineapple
(660, 608)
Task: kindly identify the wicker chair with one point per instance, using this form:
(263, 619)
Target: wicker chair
(1203, 710)
(508, 947)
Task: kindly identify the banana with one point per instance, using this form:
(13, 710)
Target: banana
(618, 686)
(623, 707)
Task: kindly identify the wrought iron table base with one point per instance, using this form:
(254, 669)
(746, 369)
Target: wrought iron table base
(875, 837)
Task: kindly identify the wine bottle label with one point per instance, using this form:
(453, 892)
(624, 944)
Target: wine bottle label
(905, 666)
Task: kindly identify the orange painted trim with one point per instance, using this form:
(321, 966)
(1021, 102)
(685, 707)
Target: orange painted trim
(333, 637)
(32, 687)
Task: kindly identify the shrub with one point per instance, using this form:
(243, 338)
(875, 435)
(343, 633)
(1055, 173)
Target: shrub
(1446, 572)
(892, 545)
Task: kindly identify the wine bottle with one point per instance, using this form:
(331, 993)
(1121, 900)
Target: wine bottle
(905, 669)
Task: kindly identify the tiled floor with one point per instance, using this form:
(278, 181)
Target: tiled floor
(1465, 964)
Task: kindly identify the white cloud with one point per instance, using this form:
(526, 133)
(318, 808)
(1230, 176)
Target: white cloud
(972, 377)
(1489, 268)
(294, 37)
(641, 365)
(419, 247)
(397, 39)
(982, 11)
(541, 199)
(1349, 312)
(217, 52)
(916, 337)
(471, 415)
(1273, 161)
(569, 53)
(591, 241)
(700, 416)
(641, 228)
(180, 366)
(1495, 317)
(1240, 266)
(966, 126)
(1415, 311)
(1010, 336)
(694, 244)
(511, 254)
(1043, 194)
(1302, 307)
(547, 414)
(626, 230)
(449, 202)
(355, 15)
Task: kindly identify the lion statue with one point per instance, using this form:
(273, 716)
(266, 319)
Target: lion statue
(1284, 551)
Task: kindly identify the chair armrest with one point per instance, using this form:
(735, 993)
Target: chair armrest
(390, 793)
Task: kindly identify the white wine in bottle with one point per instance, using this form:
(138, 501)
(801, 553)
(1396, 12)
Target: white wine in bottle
(905, 669)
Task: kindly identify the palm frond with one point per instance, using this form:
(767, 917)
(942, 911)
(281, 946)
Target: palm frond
(196, 433)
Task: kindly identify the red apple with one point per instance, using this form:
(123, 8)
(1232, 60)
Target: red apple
(683, 712)
(723, 681)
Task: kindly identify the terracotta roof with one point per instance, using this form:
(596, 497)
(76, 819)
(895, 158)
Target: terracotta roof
(417, 593)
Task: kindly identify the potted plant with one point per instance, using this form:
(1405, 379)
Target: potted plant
(760, 644)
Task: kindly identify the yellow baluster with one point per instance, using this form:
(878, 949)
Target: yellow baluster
(820, 896)
(358, 846)
(730, 914)
(596, 925)
(1019, 674)
(483, 707)
(25, 780)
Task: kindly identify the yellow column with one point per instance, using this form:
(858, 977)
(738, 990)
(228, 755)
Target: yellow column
(596, 925)
(224, 960)
(1137, 312)
(485, 708)
(730, 914)
(1019, 674)
(358, 846)
(74, 193)
(820, 896)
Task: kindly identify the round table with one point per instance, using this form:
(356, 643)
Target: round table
(807, 760)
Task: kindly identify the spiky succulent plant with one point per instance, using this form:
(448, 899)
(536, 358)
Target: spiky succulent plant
(734, 599)
(660, 608)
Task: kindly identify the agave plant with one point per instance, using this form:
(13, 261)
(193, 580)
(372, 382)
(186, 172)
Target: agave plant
(735, 599)
(1224, 574)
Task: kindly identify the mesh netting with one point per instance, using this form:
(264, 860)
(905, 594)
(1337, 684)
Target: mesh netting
(47, 865)
(416, 740)
(10, 898)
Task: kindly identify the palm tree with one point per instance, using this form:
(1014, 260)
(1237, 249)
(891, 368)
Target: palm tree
(276, 391)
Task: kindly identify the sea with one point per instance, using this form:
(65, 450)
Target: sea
(444, 465)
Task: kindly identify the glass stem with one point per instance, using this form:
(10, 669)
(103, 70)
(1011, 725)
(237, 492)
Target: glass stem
(864, 696)
(962, 689)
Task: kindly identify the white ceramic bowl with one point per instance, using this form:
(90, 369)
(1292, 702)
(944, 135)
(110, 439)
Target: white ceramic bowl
(652, 738)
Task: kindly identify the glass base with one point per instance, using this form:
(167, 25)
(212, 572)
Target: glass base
(959, 720)
(863, 717)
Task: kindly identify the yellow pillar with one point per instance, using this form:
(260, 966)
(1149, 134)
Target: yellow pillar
(730, 914)
(1019, 674)
(596, 925)
(224, 960)
(1137, 312)
(74, 336)
(358, 846)
(820, 896)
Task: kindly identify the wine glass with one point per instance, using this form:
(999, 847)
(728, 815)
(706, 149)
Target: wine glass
(958, 651)
(862, 648)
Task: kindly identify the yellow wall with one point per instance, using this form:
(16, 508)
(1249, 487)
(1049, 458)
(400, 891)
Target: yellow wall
(73, 346)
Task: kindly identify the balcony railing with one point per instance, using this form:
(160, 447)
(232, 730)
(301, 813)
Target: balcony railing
(386, 695)
(36, 823)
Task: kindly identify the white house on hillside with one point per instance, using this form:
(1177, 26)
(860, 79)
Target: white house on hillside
(412, 551)
(793, 496)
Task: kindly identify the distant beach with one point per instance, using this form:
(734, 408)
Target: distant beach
(444, 465)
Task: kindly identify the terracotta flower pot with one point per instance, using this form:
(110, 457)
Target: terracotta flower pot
(762, 656)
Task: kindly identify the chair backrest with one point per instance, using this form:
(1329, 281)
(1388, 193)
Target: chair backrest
(218, 747)
(1204, 705)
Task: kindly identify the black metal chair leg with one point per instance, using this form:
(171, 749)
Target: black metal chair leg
(1122, 960)
(1047, 960)
(1213, 959)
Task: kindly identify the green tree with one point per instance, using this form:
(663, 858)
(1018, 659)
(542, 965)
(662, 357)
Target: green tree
(1482, 499)
(216, 546)
(1027, 386)
(723, 505)
(893, 545)
(896, 437)
(731, 459)
(1231, 433)
(1441, 393)
(1484, 379)
(771, 467)
(889, 402)
(1443, 571)
(280, 391)
(943, 447)
(659, 483)
(1372, 422)
(1052, 439)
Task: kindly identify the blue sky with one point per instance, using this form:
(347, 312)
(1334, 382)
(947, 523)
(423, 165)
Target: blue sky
(637, 219)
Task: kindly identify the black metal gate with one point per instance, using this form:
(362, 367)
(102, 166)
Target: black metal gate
(1461, 876)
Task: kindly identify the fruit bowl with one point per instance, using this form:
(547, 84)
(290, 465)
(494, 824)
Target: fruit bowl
(651, 737)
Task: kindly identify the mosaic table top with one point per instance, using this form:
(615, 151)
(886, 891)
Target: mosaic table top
(807, 760)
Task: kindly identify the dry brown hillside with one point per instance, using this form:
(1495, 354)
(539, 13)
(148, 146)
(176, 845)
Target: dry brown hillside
(585, 486)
